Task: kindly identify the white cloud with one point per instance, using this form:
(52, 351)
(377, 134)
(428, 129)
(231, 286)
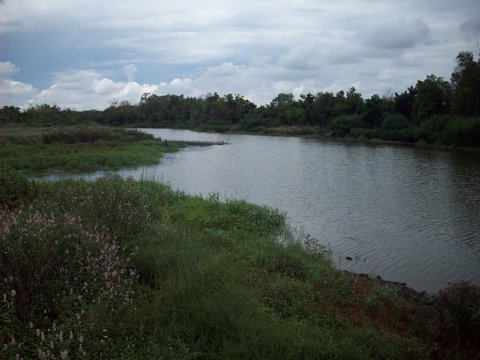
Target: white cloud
(82, 90)
(13, 92)
(7, 69)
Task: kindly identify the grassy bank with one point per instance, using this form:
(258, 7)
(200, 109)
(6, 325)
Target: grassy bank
(78, 148)
(121, 269)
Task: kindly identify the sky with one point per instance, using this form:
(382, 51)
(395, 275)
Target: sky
(87, 54)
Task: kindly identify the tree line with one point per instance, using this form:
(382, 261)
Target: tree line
(434, 111)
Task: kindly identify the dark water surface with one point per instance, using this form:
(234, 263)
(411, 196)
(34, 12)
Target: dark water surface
(407, 214)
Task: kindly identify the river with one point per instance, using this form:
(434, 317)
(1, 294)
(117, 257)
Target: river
(409, 214)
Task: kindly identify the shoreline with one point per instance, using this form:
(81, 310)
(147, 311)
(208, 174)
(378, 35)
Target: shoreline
(316, 133)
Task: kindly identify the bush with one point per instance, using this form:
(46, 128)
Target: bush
(395, 121)
(463, 131)
(14, 187)
(431, 129)
(342, 125)
(90, 135)
(462, 301)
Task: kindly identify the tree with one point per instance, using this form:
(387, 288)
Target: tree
(309, 108)
(287, 110)
(353, 102)
(9, 114)
(466, 85)
(373, 111)
(325, 108)
(404, 102)
(433, 97)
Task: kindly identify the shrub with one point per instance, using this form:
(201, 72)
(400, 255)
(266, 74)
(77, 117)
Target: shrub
(462, 301)
(52, 269)
(395, 121)
(463, 131)
(55, 262)
(14, 187)
(430, 130)
(342, 125)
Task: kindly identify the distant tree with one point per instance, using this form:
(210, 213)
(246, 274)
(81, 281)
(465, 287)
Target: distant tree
(403, 103)
(10, 114)
(325, 108)
(353, 102)
(282, 100)
(433, 97)
(373, 111)
(308, 103)
(465, 80)
(119, 114)
(286, 110)
(44, 115)
(340, 104)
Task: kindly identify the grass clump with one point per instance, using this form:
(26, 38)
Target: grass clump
(128, 269)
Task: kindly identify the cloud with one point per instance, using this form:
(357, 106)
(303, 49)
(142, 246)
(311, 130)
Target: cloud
(130, 71)
(88, 89)
(471, 28)
(255, 49)
(387, 38)
(13, 92)
(300, 58)
(7, 69)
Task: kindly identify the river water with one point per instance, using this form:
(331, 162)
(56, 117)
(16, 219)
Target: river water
(408, 214)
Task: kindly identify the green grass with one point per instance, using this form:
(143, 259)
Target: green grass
(131, 269)
(78, 149)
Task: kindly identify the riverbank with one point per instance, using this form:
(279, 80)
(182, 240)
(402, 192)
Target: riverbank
(154, 273)
(320, 133)
(324, 134)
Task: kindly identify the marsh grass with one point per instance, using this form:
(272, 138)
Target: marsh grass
(78, 149)
(124, 269)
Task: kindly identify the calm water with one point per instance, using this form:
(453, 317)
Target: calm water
(408, 214)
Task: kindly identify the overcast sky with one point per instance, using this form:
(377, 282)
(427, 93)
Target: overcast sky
(84, 54)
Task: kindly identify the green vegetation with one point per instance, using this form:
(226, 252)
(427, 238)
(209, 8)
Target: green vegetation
(78, 148)
(434, 111)
(121, 269)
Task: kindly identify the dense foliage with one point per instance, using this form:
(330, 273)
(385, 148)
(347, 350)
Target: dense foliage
(434, 111)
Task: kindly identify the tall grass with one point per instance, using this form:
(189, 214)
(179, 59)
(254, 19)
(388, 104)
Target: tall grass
(80, 149)
(120, 269)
